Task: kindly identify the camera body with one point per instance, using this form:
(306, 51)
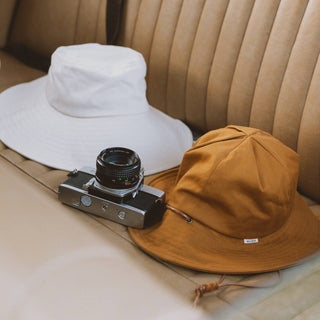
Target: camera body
(121, 198)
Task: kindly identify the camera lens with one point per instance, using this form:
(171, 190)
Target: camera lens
(118, 168)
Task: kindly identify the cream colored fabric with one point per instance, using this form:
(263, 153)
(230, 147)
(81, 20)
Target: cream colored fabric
(255, 53)
(6, 12)
(250, 63)
(42, 26)
(58, 263)
(41, 265)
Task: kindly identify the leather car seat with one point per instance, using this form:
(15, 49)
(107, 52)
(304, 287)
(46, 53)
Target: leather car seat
(210, 64)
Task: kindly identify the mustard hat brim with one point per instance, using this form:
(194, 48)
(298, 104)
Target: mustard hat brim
(197, 246)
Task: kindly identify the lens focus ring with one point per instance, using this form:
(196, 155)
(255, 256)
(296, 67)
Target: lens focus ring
(118, 168)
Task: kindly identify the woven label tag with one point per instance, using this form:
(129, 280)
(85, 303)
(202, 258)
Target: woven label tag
(246, 241)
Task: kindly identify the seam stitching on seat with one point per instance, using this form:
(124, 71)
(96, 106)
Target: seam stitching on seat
(97, 20)
(237, 60)
(135, 23)
(211, 64)
(189, 60)
(28, 174)
(262, 59)
(305, 100)
(76, 23)
(170, 53)
(152, 40)
(286, 67)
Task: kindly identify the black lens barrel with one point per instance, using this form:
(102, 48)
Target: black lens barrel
(118, 168)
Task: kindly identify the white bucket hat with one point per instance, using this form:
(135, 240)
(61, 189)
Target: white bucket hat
(94, 97)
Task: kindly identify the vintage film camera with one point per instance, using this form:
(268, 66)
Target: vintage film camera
(114, 191)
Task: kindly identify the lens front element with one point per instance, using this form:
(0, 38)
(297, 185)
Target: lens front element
(118, 168)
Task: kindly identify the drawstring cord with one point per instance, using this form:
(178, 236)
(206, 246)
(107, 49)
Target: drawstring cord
(179, 212)
(212, 286)
(208, 287)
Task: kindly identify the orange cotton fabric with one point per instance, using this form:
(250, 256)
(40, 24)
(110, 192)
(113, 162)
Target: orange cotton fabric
(237, 184)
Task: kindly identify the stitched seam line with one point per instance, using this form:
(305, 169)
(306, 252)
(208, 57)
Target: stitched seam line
(235, 66)
(97, 21)
(135, 24)
(170, 52)
(286, 67)
(263, 56)
(189, 60)
(210, 175)
(211, 64)
(152, 40)
(304, 105)
(76, 22)
(28, 174)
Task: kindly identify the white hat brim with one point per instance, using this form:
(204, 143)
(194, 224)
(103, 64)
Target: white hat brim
(30, 126)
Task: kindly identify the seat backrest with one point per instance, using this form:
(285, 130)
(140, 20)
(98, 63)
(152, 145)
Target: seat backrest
(43, 25)
(245, 62)
(6, 12)
(210, 62)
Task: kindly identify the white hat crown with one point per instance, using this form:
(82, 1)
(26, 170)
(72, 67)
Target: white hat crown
(93, 80)
(93, 98)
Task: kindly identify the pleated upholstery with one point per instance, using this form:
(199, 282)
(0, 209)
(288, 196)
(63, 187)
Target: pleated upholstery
(42, 25)
(217, 62)
(6, 13)
(273, 67)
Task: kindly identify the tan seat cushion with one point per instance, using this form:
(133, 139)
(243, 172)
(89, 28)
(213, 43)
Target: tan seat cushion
(67, 243)
(58, 263)
(13, 72)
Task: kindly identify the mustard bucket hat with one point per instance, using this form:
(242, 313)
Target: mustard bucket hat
(232, 207)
